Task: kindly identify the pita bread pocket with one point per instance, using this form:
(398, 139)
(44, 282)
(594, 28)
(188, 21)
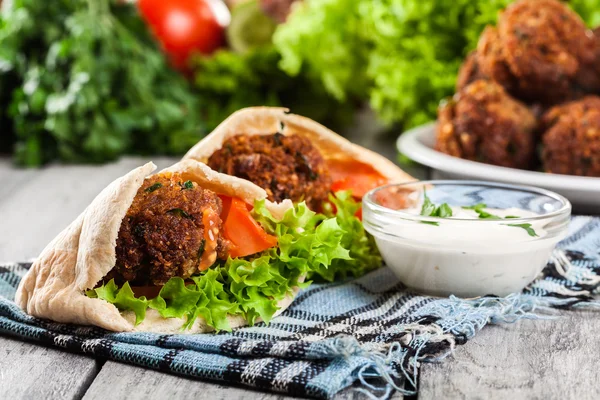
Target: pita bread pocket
(349, 164)
(84, 277)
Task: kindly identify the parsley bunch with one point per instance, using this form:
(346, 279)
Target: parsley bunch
(83, 81)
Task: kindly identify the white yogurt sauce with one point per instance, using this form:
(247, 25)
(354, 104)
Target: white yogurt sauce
(483, 232)
(464, 255)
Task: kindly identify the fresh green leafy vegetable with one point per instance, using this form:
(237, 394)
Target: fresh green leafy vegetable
(307, 242)
(123, 298)
(87, 83)
(527, 227)
(401, 55)
(227, 81)
(187, 185)
(363, 251)
(428, 209)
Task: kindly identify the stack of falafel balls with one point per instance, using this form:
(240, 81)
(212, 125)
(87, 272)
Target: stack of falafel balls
(527, 96)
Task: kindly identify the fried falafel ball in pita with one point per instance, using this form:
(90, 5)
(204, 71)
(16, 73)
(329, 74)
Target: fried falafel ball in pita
(483, 123)
(287, 167)
(571, 138)
(172, 228)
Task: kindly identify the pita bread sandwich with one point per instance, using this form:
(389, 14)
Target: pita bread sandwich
(295, 158)
(185, 250)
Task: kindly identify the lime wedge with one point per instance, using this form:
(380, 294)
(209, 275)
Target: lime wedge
(249, 27)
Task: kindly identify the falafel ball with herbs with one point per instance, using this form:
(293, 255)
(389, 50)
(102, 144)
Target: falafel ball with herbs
(540, 52)
(548, 47)
(571, 138)
(172, 228)
(286, 166)
(483, 123)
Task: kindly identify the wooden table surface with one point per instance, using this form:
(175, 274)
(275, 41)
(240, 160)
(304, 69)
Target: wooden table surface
(543, 359)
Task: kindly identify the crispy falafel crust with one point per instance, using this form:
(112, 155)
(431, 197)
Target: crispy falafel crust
(287, 167)
(81, 255)
(163, 234)
(571, 138)
(255, 121)
(482, 123)
(540, 52)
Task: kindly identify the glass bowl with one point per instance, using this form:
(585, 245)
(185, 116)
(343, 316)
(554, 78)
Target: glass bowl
(495, 250)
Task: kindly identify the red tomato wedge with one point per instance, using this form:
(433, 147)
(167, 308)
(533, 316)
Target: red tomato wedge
(245, 234)
(354, 176)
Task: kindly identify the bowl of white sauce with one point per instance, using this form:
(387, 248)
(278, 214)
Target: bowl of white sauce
(465, 238)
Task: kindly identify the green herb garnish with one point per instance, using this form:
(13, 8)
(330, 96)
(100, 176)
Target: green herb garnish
(428, 209)
(187, 185)
(179, 212)
(154, 187)
(527, 227)
(478, 208)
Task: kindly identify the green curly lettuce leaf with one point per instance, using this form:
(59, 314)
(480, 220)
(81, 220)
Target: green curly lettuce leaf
(400, 55)
(226, 81)
(251, 287)
(364, 256)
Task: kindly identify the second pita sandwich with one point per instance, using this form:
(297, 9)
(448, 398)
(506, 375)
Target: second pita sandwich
(293, 157)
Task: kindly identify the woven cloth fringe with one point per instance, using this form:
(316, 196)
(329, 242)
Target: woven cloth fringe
(370, 332)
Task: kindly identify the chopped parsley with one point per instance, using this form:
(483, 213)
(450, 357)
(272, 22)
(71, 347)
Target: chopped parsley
(479, 209)
(154, 187)
(527, 228)
(187, 185)
(179, 212)
(428, 209)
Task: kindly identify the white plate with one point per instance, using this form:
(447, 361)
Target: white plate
(417, 144)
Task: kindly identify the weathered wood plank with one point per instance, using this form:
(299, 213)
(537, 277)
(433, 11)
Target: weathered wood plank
(29, 371)
(527, 360)
(126, 381)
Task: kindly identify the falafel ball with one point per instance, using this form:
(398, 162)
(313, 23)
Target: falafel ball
(483, 123)
(287, 167)
(546, 45)
(469, 71)
(541, 52)
(492, 63)
(571, 138)
(172, 228)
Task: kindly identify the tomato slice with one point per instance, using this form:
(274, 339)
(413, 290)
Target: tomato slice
(354, 176)
(245, 234)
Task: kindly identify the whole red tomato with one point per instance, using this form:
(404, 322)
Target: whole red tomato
(184, 27)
